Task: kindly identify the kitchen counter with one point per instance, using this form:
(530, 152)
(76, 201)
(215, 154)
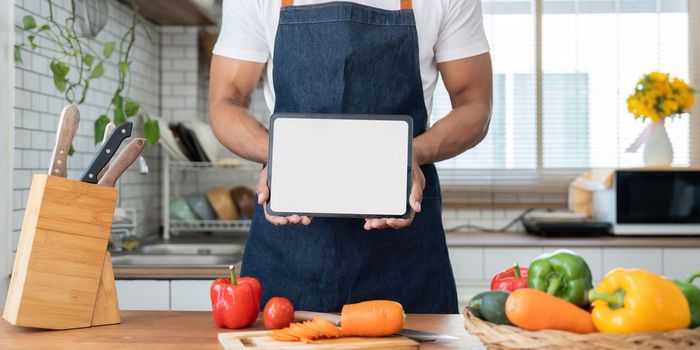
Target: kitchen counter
(454, 239)
(522, 239)
(189, 330)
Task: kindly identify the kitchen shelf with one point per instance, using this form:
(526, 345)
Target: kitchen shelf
(198, 166)
(174, 12)
(235, 226)
(174, 174)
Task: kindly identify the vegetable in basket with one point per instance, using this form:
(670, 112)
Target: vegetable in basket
(510, 279)
(490, 306)
(563, 274)
(635, 300)
(692, 295)
(536, 310)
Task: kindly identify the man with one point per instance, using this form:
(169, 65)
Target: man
(363, 56)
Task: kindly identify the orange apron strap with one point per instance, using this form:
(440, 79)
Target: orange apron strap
(287, 3)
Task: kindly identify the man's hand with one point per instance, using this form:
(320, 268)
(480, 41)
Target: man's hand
(264, 194)
(414, 200)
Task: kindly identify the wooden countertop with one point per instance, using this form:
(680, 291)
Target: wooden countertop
(188, 330)
(522, 239)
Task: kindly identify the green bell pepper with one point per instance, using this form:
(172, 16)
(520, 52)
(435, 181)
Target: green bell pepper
(563, 274)
(692, 294)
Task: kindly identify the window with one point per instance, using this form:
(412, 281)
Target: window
(592, 53)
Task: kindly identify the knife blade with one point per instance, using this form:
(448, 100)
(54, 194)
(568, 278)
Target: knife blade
(409, 333)
(67, 128)
(123, 161)
(106, 152)
(108, 131)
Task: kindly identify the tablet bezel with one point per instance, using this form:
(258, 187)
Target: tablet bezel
(391, 117)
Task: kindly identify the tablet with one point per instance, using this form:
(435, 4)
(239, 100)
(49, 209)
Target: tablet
(339, 165)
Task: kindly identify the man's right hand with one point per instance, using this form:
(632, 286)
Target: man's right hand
(264, 194)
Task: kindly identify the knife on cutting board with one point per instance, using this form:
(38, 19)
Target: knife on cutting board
(409, 333)
(108, 131)
(123, 161)
(106, 152)
(67, 128)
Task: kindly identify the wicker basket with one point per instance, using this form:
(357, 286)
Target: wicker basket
(509, 337)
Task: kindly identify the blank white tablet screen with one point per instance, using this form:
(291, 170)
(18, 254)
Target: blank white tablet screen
(339, 166)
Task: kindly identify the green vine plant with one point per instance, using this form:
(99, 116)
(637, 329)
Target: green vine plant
(70, 49)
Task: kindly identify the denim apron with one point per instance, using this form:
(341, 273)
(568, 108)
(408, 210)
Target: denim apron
(342, 57)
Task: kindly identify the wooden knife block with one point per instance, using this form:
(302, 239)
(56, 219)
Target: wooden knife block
(62, 277)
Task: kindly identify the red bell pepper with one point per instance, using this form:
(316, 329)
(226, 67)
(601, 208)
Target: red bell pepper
(235, 302)
(510, 279)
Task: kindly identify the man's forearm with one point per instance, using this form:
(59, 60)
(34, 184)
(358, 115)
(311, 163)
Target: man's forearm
(463, 128)
(238, 130)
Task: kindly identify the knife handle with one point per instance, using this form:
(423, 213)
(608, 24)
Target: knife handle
(106, 152)
(108, 131)
(67, 127)
(123, 161)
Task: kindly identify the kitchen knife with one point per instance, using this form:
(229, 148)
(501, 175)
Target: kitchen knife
(123, 161)
(67, 128)
(108, 131)
(409, 333)
(106, 152)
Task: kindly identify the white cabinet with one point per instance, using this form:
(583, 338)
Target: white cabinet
(498, 259)
(649, 259)
(678, 263)
(143, 294)
(190, 295)
(467, 263)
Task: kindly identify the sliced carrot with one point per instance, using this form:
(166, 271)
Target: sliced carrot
(307, 326)
(302, 331)
(289, 332)
(282, 336)
(326, 328)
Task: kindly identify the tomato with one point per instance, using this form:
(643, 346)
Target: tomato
(278, 313)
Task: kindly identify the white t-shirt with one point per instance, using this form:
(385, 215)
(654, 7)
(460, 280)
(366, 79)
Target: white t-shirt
(447, 30)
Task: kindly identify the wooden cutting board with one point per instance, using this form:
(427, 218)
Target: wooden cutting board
(261, 340)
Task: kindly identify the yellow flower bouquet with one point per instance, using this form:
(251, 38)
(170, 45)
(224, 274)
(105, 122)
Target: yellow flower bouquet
(657, 96)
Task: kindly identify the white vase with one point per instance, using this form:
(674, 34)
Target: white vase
(658, 150)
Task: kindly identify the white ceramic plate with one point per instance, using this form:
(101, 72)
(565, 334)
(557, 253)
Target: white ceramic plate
(167, 140)
(205, 135)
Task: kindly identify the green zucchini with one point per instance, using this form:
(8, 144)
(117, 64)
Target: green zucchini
(490, 306)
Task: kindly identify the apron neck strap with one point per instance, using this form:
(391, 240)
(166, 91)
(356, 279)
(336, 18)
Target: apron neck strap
(405, 4)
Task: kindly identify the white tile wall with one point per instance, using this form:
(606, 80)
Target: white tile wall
(38, 104)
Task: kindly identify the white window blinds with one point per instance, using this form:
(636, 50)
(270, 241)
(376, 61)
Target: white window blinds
(592, 54)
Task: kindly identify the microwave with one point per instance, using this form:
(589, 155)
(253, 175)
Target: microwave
(651, 202)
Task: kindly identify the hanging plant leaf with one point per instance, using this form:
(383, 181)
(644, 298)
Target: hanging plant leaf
(44, 27)
(100, 125)
(98, 71)
(123, 67)
(151, 131)
(108, 49)
(71, 150)
(119, 116)
(59, 70)
(18, 54)
(31, 41)
(131, 107)
(88, 59)
(29, 22)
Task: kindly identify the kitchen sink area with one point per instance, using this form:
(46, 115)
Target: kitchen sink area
(183, 252)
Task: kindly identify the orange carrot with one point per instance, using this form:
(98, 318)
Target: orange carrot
(375, 318)
(536, 310)
(306, 332)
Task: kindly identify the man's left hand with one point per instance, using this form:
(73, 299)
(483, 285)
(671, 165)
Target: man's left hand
(414, 200)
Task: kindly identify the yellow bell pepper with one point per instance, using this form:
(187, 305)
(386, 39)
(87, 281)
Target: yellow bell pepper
(635, 300)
